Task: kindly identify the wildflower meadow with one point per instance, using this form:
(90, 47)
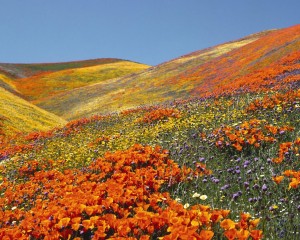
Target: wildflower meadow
(206, 168)
(205, 146)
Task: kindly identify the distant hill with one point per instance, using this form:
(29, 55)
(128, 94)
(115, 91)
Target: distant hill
(18, 115)
(20, 70)
(267, 59)
(22, 85)
(39, 88)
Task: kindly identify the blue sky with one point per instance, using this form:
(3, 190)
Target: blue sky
(147, 31)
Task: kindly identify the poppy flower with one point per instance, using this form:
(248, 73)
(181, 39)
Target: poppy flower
(227, 224)
(278, 179)
(206, 234)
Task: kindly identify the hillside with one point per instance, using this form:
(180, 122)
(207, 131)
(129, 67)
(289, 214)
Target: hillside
(122, 93)
(7, 83)
(45, 81)
(19, 116)
(267, 59)
(40, 87)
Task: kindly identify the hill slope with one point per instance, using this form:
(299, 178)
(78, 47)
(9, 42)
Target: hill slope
(7, 82)
(267, 59)
(18, 115)
(104, 97)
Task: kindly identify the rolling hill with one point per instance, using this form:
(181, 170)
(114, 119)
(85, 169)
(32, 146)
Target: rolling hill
(104, 96)
(266, 59)
(47, 80)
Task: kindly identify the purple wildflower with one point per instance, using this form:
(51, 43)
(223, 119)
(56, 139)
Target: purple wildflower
(264, 187)
(235, 196)
(225, 187)
(216, 180)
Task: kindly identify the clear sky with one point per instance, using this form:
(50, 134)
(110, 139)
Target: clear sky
(147, 31)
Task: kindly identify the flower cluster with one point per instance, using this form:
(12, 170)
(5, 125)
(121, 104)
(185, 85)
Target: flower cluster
(286, 148)
(254, 132)
(282, 101)
(10, 150)
(159, 114)
(119, 195)
(243, 229)
(85, 181)
(294, 177)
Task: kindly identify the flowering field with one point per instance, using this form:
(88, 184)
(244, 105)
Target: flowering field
(207, 168)
(221, 163)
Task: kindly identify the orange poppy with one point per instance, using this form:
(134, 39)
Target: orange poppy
(242, 234)
(230, 234)
(256, 234)
(227, 224)
(278, 179)
(206, 234)
(63, 222)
